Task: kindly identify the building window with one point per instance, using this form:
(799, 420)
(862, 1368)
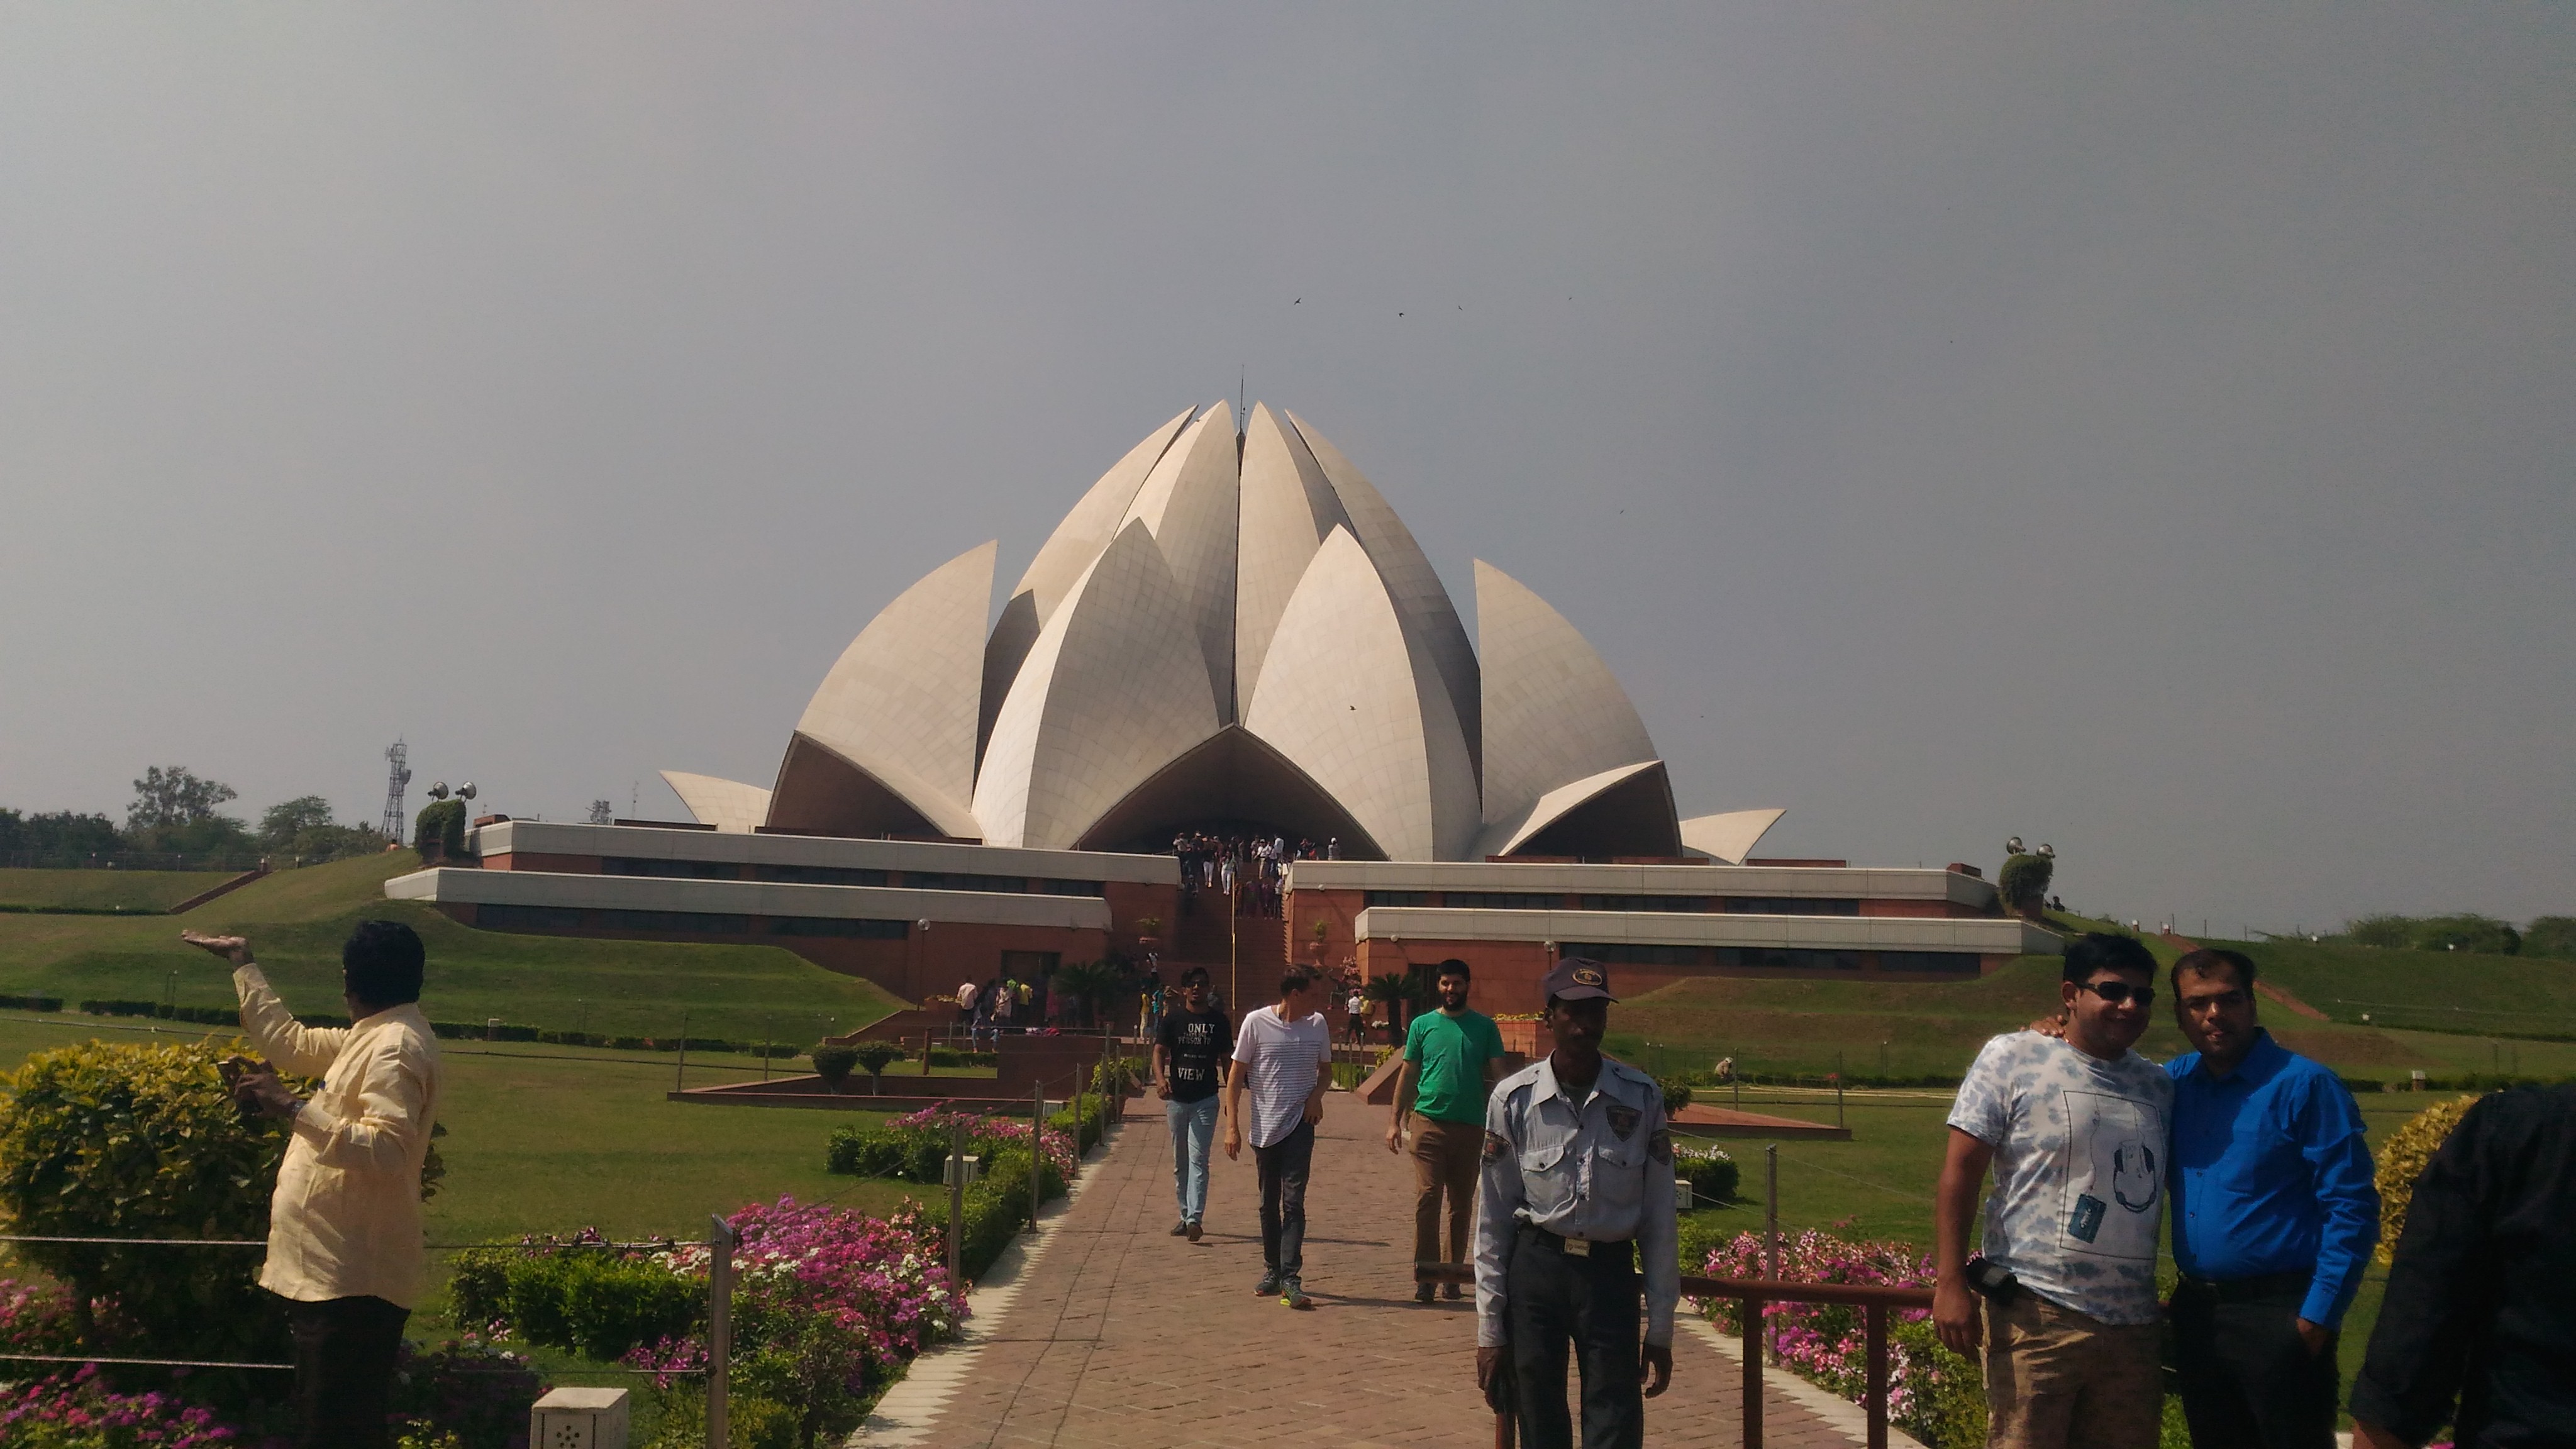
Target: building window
(527, 918)
(1500, 901)
(818, 875)
(1398, 898)
(1076, 888)
(932, 880)
(1623, 953)
(1790, 906)
(671, 869)
(842, 926)
(1645, 903)
(1788, 958)
(699, 922)
(1951, 963)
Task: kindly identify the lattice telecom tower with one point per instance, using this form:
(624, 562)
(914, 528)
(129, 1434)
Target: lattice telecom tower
(397, 775)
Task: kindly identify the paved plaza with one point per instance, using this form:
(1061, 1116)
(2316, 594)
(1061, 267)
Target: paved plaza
(1110, 1331)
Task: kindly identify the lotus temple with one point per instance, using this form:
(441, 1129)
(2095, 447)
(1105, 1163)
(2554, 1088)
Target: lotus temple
(1231, 636)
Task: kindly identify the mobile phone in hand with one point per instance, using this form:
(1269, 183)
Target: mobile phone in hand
(1993, 1279)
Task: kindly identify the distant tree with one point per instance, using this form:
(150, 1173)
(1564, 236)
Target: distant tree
(602, 813)
(2553, 936)
(2464, 932)
(279, 823)
(175, 796)
(59, 838)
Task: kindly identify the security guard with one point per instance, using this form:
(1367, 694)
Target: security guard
(1578, 1186)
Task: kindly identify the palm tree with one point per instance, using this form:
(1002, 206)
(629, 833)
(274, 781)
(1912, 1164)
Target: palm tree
(1397, 992)
(1094, 984)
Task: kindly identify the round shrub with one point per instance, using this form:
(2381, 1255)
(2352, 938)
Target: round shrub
(2023, 882)
(2403, 1158)
(439, 828)
(1677, 1094)
(875, 1056)
(123, 1140)
(833, 1063)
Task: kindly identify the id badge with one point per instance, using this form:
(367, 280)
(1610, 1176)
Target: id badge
(1578, 1248)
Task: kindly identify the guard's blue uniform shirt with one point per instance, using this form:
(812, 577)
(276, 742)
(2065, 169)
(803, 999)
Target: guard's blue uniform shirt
(2271, 1174)
(1601, 1170)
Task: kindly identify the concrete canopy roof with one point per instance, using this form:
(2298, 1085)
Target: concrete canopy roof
(729, 805)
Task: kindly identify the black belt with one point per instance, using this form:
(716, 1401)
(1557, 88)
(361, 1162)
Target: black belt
(1608, 1254)
(2251, 1290)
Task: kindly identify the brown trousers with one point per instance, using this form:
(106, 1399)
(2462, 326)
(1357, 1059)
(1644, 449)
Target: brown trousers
(2059, 1379)
(1447, 1156)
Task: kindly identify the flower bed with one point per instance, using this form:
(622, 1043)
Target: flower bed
(1932, 1393)
(78, 1411)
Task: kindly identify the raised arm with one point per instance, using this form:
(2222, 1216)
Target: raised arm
(290, 1045)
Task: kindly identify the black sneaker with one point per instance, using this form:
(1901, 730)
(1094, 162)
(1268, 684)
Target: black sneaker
(1269, 1284)
(1292, 1294)
(1421, 1292)
(1193, 1226)
(1180, 1227)
(1449, 1291)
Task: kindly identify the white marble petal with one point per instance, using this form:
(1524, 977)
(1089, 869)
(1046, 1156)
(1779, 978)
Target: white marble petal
(1554, 714)
(1356, 701)
(731, 806)
(1067, 552)
(1188, 501)
(902, 702)
(1502, 837)
(1115, 688)
(1729, 837)
(1419, 597)
(1288, 509)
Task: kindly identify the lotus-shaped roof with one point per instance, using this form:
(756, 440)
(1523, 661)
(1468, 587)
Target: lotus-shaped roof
(1228, 630)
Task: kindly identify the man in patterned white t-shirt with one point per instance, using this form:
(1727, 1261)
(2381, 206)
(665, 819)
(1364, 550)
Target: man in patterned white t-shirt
(2075, 1131)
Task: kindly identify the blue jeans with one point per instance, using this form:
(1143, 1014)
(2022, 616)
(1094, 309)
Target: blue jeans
(1193, 1127)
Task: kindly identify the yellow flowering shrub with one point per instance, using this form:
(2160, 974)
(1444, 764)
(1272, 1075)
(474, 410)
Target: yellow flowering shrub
(2403, 1158)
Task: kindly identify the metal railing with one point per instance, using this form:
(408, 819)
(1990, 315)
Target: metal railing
(1874, 1301)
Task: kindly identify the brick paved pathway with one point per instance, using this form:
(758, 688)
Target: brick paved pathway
(1124, 1335)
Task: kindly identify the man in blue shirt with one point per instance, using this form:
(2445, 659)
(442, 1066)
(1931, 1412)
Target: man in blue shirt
(2274, 1218)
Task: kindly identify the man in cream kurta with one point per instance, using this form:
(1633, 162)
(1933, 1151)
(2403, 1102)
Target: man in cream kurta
(344, 1224)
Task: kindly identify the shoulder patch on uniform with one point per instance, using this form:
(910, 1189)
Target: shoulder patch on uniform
(1497, 1147)
(1660, 1146)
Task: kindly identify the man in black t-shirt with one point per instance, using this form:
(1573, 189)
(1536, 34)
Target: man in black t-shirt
(1191, 1049)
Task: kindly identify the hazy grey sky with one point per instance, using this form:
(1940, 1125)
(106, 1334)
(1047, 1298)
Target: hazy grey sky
(2150, 428)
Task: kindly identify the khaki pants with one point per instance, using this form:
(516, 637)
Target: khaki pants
(1447, 1156)
(2059, 1379)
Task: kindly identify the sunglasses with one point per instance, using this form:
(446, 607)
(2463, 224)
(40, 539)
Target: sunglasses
(2116, 992)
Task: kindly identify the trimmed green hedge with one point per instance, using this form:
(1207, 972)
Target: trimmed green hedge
(586, 1301)
(1713, 1175)
(997, 1207)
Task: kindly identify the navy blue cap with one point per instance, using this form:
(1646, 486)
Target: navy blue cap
(1579, 978)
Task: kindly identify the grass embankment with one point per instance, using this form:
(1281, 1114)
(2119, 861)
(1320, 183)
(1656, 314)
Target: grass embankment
(101, 890)
(297, 919)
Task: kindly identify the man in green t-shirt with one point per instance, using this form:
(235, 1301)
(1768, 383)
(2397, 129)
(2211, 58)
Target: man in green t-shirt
(1451, 1059)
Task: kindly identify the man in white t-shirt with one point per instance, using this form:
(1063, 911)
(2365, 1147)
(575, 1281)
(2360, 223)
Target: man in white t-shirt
(2075, 1131)
(1284, 1053)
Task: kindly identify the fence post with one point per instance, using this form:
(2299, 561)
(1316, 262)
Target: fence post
(1838, 1088)
(956, 1201)
(720, 1245)
(1037, 1152)
(1771, 1212)
(680, 1073)
(1753, 1337)
(1877, 1375)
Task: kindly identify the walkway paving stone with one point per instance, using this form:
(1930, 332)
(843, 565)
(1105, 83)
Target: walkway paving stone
(1123, 1335)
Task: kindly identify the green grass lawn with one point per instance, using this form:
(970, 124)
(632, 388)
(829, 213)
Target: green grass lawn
(2459, 991)
(297, 919)
(132, 890)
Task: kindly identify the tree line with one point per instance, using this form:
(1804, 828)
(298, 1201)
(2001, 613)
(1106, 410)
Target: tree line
(176, 817)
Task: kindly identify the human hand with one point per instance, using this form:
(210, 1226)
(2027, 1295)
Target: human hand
(1233, 1141)
(1314, 1111)
(256, 1088)
(1394, 1137)
(2316, 1336)
(235, 949)
(1487, 1361)
(1954, 1316)
(1163, 1089)
(2367, 1435)
(2051, 1026)
(1657, 1370)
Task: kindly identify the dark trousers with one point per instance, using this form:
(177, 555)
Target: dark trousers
(2248, 1381)
(1595, 1305)
(344, 1370)
(1283, 1166)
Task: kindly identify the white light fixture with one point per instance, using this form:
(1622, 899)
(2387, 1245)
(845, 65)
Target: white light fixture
(579, 1419)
